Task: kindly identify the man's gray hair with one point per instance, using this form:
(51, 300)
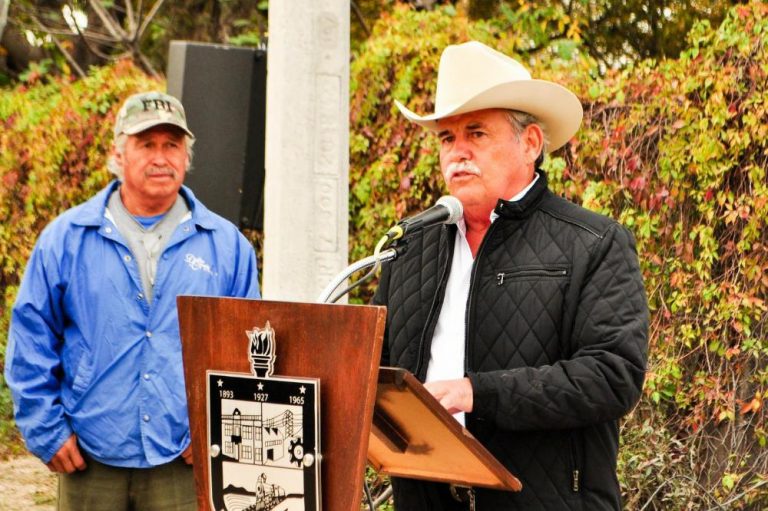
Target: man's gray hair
(519, 121)
(119, 145)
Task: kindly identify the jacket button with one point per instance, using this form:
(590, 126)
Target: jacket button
(127, 258)
(108, 230)
(146, 418)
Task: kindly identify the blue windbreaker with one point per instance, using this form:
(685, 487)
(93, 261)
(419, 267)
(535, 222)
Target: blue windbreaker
(88, 355)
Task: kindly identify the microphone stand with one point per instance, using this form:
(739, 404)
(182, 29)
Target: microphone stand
(325, 297)
(381, 257)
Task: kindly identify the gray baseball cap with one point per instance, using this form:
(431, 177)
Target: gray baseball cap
(147, 110)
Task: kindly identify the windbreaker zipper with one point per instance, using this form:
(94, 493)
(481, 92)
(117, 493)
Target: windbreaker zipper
(530, 272)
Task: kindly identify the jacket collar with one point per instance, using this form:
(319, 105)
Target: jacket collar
(526, 205)
(91, 213)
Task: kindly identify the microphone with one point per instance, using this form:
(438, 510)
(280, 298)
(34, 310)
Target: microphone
(447, 210)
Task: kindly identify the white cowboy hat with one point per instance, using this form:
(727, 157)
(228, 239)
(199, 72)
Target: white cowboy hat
(473, 77)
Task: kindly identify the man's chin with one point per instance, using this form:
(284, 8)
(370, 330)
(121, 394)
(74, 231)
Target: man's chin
(462, 189)
(164, 188)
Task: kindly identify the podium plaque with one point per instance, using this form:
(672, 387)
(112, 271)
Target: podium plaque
(263, 442)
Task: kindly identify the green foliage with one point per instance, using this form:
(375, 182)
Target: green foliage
(677, 150)
(613, 32)
(53, 146)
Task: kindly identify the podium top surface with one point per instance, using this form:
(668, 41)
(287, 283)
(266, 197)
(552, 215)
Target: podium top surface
(414, 436)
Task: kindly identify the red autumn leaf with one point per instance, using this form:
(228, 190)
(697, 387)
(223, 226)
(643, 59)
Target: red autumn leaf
(637, 183)
(10, 179)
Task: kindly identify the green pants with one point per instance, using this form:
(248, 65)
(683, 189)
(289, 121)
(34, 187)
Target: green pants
(100, 487)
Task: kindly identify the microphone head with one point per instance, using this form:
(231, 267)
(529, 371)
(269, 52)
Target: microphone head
(454, 207)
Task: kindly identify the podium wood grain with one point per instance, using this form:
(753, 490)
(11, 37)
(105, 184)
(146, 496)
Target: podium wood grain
(339, 344)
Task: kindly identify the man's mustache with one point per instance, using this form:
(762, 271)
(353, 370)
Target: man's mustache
(462, 167)
(161, 171)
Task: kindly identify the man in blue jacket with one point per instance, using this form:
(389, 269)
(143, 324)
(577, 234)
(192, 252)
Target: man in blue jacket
(94, 356)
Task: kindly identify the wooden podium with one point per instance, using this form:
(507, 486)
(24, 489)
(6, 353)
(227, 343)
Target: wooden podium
(338, 344)
(409, 434)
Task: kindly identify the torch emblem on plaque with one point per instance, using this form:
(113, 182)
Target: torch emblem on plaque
(263, 434)
(262, 350)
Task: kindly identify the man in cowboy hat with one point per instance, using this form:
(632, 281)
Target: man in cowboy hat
(94, 356)
(527, 319)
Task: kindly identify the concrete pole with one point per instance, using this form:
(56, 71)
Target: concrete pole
(4, 5)
(307, 148)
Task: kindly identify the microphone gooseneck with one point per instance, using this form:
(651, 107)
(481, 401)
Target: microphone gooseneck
(447, 210)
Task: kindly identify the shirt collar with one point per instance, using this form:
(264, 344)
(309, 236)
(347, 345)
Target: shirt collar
(518, 196)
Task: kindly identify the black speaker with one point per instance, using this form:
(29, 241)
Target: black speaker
(223, 90)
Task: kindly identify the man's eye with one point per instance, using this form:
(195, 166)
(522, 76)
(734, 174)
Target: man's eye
(446, 139)
(477, 134)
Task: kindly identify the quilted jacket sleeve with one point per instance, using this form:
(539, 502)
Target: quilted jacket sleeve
(602, 379)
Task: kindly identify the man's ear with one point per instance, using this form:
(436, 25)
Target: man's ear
(117, 155)
(533, 139)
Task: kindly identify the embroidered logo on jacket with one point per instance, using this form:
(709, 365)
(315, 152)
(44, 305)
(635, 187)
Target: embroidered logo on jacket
(198, 263)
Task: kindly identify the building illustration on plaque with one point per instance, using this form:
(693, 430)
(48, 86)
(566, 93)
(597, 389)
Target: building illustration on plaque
(251, 439)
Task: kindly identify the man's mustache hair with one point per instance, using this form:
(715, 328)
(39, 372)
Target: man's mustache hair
(159, 171)
(464, 167)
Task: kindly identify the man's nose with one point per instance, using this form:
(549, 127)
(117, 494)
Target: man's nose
(460, 151)
(159, 155)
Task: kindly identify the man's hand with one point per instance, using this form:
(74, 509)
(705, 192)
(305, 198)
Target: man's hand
(187, 455)
(455, 395)
(68, 458)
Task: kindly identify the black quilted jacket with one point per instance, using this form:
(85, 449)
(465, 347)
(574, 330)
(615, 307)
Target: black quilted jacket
(556, 345)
